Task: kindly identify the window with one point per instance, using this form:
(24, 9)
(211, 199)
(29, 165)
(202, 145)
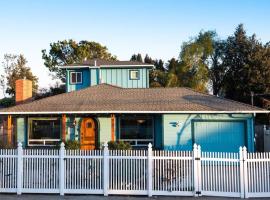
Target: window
(75, 77)
(134, 75)
(43, 131)
(137, 130)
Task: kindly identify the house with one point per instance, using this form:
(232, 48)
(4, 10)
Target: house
(111, 100)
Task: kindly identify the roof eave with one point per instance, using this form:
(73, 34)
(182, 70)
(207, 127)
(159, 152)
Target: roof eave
(127, 112)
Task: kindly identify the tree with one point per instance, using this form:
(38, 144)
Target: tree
(247, 63)
(194, 60)
(70, 52)
(53, 90)
(15, 67)
(217, 69)
(136, 57)
(148, 59)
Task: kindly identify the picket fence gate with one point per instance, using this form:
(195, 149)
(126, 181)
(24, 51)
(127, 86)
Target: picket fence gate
(135, 172)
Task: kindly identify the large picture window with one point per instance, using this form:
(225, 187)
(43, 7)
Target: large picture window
(44, 131)
(75, 77)
(137, 130)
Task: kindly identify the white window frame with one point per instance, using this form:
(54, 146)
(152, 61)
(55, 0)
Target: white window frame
(134, 71)
(70, 78)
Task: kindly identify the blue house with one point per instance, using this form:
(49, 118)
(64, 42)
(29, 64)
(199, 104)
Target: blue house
(111, 100)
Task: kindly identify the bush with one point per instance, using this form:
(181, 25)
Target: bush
(119, 145)
(6, 146)
(72, 144)
(7, 102)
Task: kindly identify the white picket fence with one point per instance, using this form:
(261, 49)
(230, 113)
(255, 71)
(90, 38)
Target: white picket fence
(135, 172)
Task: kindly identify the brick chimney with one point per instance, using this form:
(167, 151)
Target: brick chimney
(23, 90)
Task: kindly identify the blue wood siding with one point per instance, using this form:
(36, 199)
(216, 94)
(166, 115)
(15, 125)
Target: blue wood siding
(85, 80)
(120, 77)
(94, 76)
(113, 76)
(180, 129)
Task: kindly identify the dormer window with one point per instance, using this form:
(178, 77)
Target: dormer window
(75, 77)
(134, 75)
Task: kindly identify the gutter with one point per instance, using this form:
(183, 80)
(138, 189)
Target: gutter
(136, 112)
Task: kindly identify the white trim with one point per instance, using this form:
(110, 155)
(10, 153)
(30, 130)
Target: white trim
(131, 73)
(76, 74)
(75, 66)
(127, 66)
(142, 112)
(105, 66)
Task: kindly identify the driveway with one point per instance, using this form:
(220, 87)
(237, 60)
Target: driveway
(95, 197)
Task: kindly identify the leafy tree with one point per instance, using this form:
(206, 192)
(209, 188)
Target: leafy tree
(148, 59)
(7, 102)
(136, 57)
(247, 63)
(173, 68)
(53, 90)
(194, 60)
(159, 65)
(217, 69)
(70, 52)
(15, 67)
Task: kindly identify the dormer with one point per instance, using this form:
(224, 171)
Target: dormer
(126, 74)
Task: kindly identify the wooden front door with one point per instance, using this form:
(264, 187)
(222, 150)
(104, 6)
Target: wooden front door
(88, 134)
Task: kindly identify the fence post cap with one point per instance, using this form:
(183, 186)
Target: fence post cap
(62, 145)
(19, 144)
(195, 145)
(105, 144)
(244, 148)
(149, 145)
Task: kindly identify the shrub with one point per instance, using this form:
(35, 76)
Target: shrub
(4, 145)
(7, 102)
(72, 144)
(119, 145)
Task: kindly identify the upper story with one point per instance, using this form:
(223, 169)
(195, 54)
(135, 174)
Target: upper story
(126, 74)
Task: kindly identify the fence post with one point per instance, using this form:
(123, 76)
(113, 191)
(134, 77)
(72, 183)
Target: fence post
(199, 172)
(62, 169)
(245, 176)
(242, 186)
(195, 169)
(19, 168)
(149, 170)
(105, 169)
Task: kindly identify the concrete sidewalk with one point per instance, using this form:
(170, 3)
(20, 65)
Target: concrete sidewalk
(96, 197)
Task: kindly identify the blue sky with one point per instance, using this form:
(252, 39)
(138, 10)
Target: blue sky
(156, 27)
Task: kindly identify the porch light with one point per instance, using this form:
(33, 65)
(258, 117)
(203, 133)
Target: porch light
(140, 121)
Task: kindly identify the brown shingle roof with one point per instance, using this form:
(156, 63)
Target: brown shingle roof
(102, 62)
(107, 98)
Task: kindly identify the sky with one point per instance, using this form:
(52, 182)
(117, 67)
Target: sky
(155, 27)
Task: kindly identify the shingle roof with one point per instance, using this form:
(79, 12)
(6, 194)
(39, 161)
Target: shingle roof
(102, 62)
(110, 99)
